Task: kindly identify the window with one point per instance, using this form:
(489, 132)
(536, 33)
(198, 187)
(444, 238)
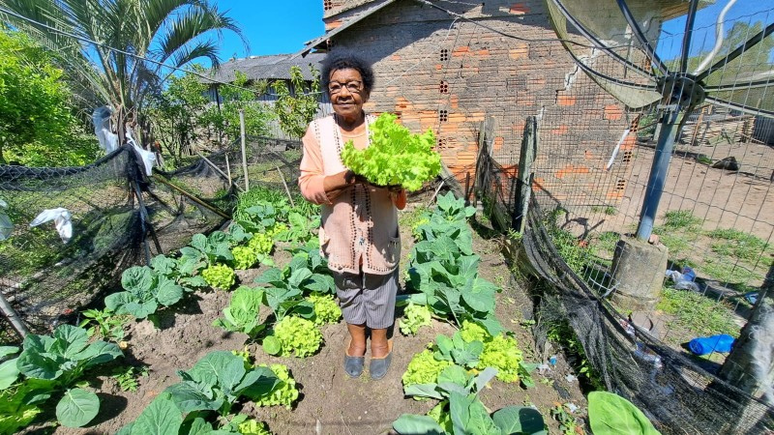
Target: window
(443, 115)
(444, 55)
(443, 87)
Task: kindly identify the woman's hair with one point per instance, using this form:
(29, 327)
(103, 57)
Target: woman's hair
(347, 60)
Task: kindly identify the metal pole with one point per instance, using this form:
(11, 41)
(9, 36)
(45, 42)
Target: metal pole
(658, 173)
(244, 154)
(13, 317)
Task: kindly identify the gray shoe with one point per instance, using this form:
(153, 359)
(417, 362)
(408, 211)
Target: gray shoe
(379, 366)
(353, 365)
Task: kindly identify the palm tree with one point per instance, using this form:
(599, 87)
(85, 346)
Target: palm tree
(169, 32)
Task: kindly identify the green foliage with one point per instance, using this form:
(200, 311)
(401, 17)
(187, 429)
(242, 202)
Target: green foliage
(395, 155)
(37, 122)
(285, 288)
(568, 422)
(424, 369)
(217, 381)
(51, 364)
(145, 290)
(219, 276)
(611, 414)
(243, 96)
(732, 242)
(502, 353)
(126, 376)
(284, 392)
(205, 251)
(326, 310)
(296, 336)
(297, 109)
(680, 219)
(63, 356)
(461, 411)
(242, 315)
(700, 315)
(17, 411)
(414, 317)
(562, 334)
(77, 407)
(105, 324)
(178, 113)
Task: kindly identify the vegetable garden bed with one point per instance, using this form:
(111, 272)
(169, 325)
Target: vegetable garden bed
(328, 401)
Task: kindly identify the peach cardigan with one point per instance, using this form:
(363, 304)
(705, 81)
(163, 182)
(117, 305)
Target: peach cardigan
(360, 226)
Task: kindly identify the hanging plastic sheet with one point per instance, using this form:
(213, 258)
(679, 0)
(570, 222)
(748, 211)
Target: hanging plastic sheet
(101, 119)
(62, 221)
(6, 226)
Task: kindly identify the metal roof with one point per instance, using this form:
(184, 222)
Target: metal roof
(266, 67)
(355, 18)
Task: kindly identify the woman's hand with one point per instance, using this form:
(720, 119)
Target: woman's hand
(335, 184)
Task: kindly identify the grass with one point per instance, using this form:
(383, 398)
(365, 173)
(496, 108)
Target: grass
(698, 314)
(680, 219)
(732, 242)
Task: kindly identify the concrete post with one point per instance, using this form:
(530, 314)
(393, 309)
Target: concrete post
(638, 273)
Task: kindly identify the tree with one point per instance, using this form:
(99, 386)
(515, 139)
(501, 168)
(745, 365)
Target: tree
(297, 109)
(183, 116)
(37, 124)
(172, 32)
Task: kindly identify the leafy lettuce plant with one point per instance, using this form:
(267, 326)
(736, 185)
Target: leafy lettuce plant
(242, 314)
(284, 392)
(145, 290)
(395, 155)
(423, 368)
(414, 317)
(219, 276)
(462, 412)
(326, 310)
(293, 335)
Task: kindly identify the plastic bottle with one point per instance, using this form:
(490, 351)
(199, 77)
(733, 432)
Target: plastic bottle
(715, 343)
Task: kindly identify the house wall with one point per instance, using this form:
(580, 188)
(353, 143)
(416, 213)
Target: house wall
(448, 74)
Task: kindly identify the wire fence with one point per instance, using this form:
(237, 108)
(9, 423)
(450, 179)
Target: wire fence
(119, 217)
(716, 219)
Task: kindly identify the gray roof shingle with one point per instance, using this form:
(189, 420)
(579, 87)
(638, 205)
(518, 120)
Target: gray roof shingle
(266, 67)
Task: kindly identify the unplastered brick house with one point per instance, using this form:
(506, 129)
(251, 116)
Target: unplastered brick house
(448, 65)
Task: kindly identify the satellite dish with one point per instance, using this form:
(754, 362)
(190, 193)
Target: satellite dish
(672, 55)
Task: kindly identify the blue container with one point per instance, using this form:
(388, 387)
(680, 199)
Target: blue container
(716, 343)
(688, 274)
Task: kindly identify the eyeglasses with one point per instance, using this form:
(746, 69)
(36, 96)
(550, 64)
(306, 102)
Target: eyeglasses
(353, 87)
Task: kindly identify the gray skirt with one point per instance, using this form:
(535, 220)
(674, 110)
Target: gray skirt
(367, 299)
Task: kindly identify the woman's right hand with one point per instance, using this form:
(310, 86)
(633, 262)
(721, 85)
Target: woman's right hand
(337, 183)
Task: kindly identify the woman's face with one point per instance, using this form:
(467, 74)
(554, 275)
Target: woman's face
(347, 93)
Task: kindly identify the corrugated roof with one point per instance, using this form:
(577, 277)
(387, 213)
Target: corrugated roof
(355, 18)
(267, 67)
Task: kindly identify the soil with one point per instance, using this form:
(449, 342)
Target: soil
(330, 403)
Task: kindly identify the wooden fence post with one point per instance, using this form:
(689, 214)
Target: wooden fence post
(529, 144)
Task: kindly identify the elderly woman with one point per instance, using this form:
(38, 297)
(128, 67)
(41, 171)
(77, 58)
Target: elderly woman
(359, 231)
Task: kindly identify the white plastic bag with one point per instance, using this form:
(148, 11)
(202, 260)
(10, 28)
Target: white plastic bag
(681, 283)
(6, 226)
(61, 218)
(148, 158)
(101, 119)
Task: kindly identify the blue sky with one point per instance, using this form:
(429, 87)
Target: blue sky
(272, 27)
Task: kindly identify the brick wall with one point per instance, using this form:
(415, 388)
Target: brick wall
(448, 76)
